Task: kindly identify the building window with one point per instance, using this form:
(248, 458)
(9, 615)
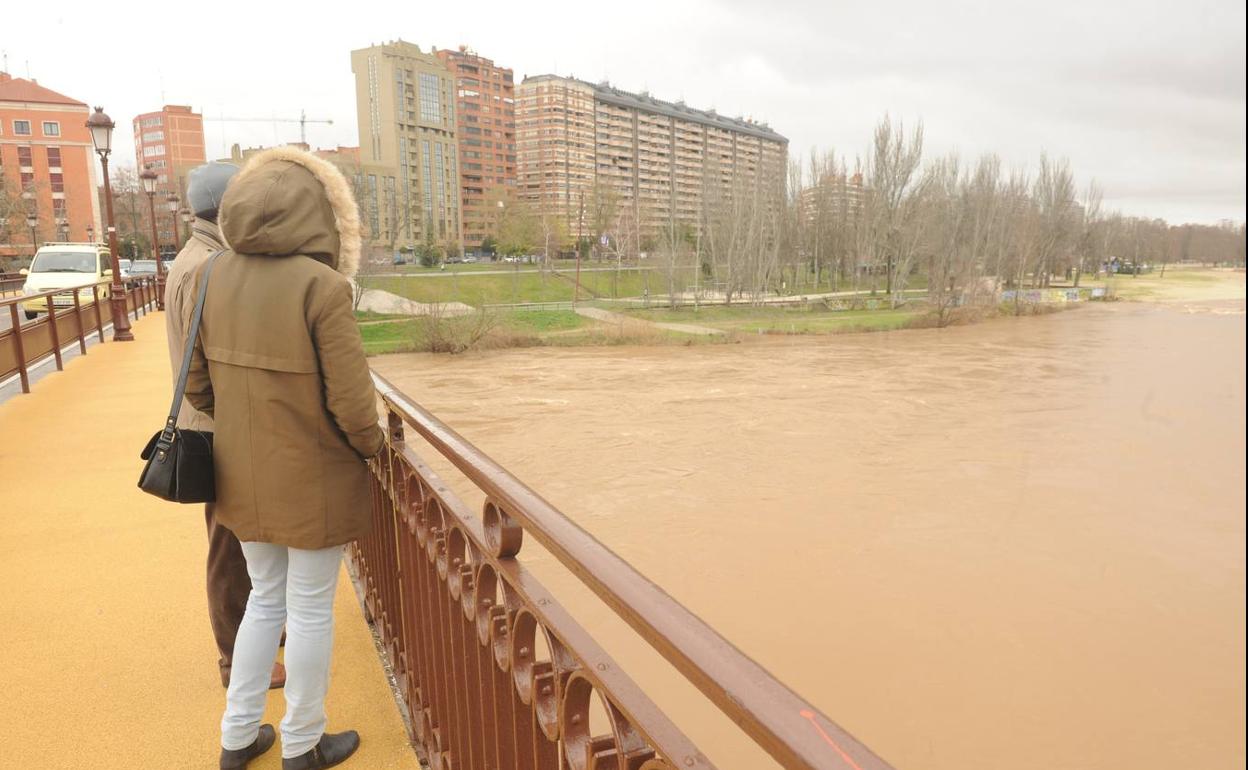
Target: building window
(150, 122)
(373, 220)
(54, 157)
(430, 98)
(58, 182)
(23, 157)
(21, 127)
(441, 179)
(153, 136)
(426, 177)
(51, 128)
(153, 150)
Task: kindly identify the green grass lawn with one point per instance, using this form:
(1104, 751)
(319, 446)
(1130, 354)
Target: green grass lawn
(469, 267)
(527, 283)
(524, 326)
(521, 286)
(477, 290)
(368, 315)
(1153, 285)
(780, 320)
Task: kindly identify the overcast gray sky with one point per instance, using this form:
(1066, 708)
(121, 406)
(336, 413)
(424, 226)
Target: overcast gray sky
(1146, 96)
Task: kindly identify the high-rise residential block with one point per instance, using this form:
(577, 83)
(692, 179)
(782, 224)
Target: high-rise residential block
(47, 167)
(486, 132)
(171, 143)
(661, 161)
(555, 145)
(406, 107)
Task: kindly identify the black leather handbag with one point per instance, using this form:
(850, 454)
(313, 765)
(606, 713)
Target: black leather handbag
(179, 461)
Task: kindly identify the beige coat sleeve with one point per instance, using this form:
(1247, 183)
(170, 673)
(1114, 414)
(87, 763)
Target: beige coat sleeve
(349, 393)
(198, 383)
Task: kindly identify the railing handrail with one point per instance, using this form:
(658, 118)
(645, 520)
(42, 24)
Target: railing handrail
(126, 281)
(780, 721)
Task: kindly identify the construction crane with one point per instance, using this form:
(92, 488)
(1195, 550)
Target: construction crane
(303, 121)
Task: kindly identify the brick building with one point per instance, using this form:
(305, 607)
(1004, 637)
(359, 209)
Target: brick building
(486, 129)
(171, 142)
(47, 165)
(660, 160)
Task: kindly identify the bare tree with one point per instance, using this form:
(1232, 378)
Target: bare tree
(1054, 196)
(893, 202)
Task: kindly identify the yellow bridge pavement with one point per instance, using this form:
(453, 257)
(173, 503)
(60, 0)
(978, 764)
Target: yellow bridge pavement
(106, 657)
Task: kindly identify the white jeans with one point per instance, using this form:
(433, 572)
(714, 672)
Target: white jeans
(293, 588)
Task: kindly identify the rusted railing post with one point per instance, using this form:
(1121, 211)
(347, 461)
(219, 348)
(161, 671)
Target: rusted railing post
(19, 349)
(99, 317)
(54, 332)
(82, 334)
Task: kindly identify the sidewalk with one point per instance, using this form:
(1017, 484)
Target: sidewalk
(106, 657)
(617, 318)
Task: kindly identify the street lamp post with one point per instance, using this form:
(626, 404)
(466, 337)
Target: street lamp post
(101, 127)
(174, 203)
(62, 227)
(149, 186)
(32, 221)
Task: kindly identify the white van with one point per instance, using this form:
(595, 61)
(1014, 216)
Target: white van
(64, 266)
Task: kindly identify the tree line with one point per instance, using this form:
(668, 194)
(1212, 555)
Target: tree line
(970, 228)
(885, 221)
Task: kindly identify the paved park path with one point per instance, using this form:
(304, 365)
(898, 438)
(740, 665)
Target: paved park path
(618, 318)
(107, 658)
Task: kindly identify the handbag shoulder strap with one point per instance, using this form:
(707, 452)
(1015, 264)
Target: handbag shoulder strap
(192, 334)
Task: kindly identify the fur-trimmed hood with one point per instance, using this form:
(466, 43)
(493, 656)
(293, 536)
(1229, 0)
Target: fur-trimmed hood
(289, 202)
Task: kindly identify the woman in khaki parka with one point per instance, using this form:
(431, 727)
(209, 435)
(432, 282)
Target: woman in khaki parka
(280, 367)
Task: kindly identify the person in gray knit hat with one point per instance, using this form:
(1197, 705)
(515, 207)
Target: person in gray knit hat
(228, 582)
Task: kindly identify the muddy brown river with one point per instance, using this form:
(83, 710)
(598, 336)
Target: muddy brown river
(1012, 546)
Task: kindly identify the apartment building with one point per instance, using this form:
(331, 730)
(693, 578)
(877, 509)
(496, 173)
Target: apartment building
(555, 146)
(406, 108)
(47, 167)
(486, 130)
(171, 143)
(662, 161)
(834, 196)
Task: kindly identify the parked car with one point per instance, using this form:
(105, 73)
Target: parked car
(65, 266)
(143, 267)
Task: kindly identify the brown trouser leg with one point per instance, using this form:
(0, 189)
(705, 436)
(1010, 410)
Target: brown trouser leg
(228, 588)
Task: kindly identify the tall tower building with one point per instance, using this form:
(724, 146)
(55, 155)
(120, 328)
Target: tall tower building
(409, 183)
(171, 142)
(555, 145)
(486, 129)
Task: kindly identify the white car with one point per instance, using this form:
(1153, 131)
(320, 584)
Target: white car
(65, 266)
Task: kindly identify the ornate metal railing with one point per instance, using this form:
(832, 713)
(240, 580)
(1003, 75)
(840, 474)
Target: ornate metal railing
(64, 315)
(497, 675)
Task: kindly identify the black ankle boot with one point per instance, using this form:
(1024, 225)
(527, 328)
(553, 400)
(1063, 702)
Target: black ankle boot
(329, 751)
(237, 759)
